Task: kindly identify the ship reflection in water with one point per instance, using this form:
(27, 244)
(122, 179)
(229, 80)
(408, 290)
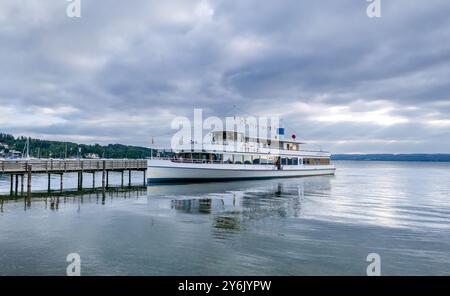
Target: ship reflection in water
(232, 209)
(324, 225)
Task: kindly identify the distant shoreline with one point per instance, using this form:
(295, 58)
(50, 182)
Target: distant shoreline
(393, 157)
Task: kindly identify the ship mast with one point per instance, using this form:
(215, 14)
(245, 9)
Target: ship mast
(26, 149)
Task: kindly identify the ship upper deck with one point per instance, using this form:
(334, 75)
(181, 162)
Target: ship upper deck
(238, 143)
(246, 148)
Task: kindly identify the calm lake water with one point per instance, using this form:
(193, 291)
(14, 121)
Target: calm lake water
(304, 226)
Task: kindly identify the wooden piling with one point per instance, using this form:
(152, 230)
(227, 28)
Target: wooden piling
(103, 175)
(16, 185)
(61, 182)
(21, 184)
(129, 178)
(107, 179)
(49, 182)
(12, 184)
(29, 168)
(82, 171)
(121, 183)
(93, 180)
(144, 172)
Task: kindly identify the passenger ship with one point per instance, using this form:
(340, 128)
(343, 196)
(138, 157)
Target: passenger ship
(230, 155)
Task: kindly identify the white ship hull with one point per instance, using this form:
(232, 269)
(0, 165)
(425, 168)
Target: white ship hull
(168, 171)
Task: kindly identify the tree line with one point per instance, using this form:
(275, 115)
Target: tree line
(57, 149)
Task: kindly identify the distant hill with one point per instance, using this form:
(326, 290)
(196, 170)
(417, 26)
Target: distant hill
(394, 157)
(57, 149)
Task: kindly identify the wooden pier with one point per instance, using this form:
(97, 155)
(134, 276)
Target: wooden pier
(18, 169)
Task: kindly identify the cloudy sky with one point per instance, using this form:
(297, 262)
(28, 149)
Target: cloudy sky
(125, 69)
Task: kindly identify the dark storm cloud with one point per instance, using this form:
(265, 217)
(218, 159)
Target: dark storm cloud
(124, 70)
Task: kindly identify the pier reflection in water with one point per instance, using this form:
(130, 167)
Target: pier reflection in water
(52, 202)
(320, 225)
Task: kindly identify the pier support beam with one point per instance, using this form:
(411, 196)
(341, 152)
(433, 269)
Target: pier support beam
(121, 183)
(21, 184)
(129, 178)
(16, 185)
(12, 184)
(144, 172)
(93, 180)
(107, 179)
(49, 182)
(103, 175)
(61, 182)
(29, 168)
(80, 180)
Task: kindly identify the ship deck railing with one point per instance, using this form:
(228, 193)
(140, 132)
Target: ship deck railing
(206, 161)
(219, 148)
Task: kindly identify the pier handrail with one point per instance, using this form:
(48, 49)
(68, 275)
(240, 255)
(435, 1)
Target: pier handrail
(70, 165)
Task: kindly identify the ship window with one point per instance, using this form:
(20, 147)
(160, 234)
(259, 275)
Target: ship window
(270, 160)
(217, 157)
(263, 159)
(247, 159)
(238, 159)
(295, 161)
(256, 160)
(227, 158)
(283, 161)
(289, 161)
